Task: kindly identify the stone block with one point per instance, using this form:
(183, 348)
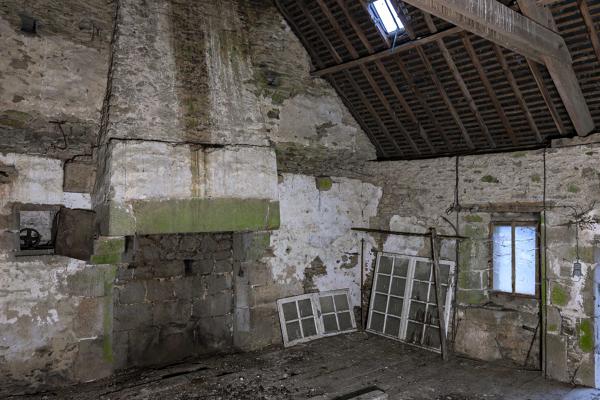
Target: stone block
(217, 282)
(132, 292)
(258, 274)
(142, 345)
(214, 333)
(88, 282)
(183, 288)
(202, 267)
(79, 177)
(75, 233)
(556, 355)
(167, 269)
(159, 290)
(171, 312)
(173, 345)
(91, 362)
(108, 250)
(223, 255)
(223, 266)
(89, 320)
(132, 316)
(553, 319)
(120, 349)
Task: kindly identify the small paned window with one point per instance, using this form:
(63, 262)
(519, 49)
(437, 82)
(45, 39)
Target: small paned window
(385, 15)
(514, 257)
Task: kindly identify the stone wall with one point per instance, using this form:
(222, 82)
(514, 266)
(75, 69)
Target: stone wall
(53, 81)
(313, 250)
(174, 301)
(421, 194)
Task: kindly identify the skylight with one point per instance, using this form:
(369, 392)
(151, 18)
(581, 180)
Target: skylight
(385, 12)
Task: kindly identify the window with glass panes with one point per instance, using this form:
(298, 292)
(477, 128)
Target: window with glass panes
(515, 257)
(403, 304)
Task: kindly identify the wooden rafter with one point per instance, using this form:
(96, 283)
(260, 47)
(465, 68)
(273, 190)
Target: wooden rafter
(539, 80)
(382, 70)
(417, 93)
(460, 81)
(488, 87)
(515, 88)
(382, 98)
(589, 24)
(403, 47)
(494, 21)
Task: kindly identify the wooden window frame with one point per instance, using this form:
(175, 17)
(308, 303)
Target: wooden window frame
(513, 223)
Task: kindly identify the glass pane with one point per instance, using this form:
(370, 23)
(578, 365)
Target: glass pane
(326, 304)
(392, 326)
(432, 337)
(398, 285)
(432, 316)
(376, 322)
(305, 307)
(385, 265)
(293, 330)
(289, 311)
(401, 266)
(420, 291)
(383, 283)
(423, 270)
(432, 294)
(417, 312)
(444, 273)
(330, 323)
(502, 261)
(308, 325)
(414, 332)
(380, 302)
(395, 307)
(525, 251)
(341, 302)
(345, 321)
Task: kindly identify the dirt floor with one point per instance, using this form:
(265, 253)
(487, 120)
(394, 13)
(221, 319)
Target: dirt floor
(332, 368)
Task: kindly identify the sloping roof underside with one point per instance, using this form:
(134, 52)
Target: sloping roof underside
(436, 118)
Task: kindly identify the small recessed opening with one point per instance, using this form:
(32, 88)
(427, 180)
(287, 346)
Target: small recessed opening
(28, 24)
(384, 14)
(37, 231)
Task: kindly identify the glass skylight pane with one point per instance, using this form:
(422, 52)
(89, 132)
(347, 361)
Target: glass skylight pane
(503, 258)
(388, 15)
(525, 249)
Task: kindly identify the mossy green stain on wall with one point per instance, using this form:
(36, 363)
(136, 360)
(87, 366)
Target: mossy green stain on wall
(559, 296)
(536, 178)
(206, 215)
(323, 183)
(572, 188)
(586, 336)
(489, 179)
(473, 218)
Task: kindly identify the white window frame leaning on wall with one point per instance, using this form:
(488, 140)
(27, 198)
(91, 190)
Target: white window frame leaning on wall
(406, 314)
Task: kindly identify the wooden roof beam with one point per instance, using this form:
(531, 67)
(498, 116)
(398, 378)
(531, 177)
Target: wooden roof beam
(460, 81)
(494, 21)
(387, 53)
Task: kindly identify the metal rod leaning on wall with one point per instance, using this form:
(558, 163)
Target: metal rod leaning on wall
(435, 258)
(362, 283)
(400, 233)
